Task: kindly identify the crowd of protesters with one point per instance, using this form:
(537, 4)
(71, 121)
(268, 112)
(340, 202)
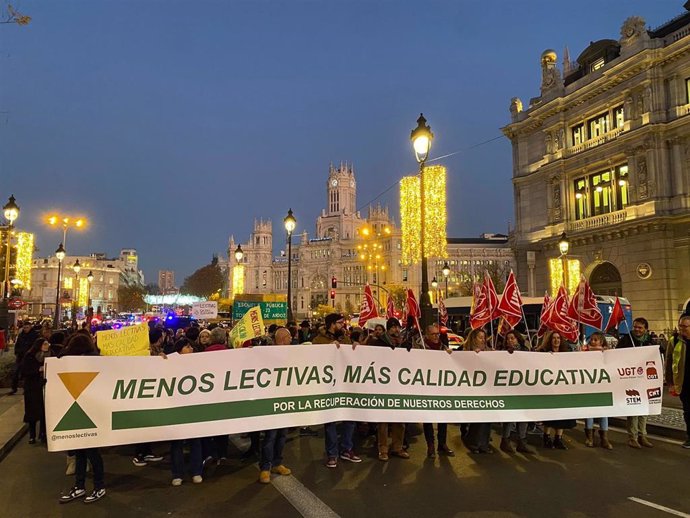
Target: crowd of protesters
(35, 342)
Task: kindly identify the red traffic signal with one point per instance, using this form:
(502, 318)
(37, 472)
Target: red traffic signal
(332, 294)
(334, 283)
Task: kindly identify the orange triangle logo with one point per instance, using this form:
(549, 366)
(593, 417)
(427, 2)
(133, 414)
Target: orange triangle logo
(76, 382)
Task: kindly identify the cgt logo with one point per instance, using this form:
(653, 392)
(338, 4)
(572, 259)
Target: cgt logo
(632, 397)
(654, 393)
(75, 418)
(652, 374)
(630, 372)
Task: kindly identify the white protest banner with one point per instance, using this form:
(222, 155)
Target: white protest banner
(205, 310)
(94, 401)
(126, 341)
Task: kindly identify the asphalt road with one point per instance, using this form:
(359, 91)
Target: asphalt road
(575, 483)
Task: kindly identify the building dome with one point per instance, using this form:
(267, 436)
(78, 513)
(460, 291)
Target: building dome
(549, 55)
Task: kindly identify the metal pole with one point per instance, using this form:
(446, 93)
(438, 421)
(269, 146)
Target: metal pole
(75, 302)
(424, 300)
(446, 287)
(6, 284)
(57, 298)
(289, 287)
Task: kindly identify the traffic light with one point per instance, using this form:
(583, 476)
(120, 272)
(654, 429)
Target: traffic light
(333, 294)
(334, 282)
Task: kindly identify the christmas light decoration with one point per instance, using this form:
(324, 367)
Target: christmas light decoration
(25, 251)
(83, 297)
(237, 280)
(556, 274)
(435, 209)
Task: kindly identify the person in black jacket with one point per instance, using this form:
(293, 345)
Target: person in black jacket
(32, 372)
(25, 339)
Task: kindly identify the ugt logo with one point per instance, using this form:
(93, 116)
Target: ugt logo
(633, 397)
(75, 418)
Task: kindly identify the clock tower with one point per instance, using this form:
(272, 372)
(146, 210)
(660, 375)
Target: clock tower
(338, 219)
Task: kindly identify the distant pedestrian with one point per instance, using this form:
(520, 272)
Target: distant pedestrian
(680, 368)
(32, 372)
(25, 340)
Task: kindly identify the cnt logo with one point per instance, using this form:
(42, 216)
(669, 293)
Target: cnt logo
(630, 372)
(652, 374)
(75, 418)
(632, 397)
(654, 394)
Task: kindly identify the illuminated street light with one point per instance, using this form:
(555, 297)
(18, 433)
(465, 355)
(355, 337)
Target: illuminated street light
(563, 247)
(11, 212)
(290, 224)
(421, 138)
(239, 254)
(446, 273)
(66, 222)
(75, 291)
(60, 254)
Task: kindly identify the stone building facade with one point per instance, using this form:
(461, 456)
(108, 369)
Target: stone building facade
(603, 154)
(334, 251)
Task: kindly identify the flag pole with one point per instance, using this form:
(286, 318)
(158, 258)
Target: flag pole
(529, 338)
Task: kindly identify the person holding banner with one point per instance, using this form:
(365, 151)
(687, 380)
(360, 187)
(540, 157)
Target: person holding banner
(432, 342)
(81, 344)
(554, 343)
(637, 425)
(597, 342)
(680, 370)
(512, 342)
(271, 454)
(478, 434)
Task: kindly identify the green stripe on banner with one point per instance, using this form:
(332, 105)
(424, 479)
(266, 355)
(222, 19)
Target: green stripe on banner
(128, 419)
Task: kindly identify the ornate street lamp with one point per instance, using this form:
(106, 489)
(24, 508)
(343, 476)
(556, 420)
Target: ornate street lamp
(11, 211)
(421, 138)
(75, 291)
(239, 254)
(60, 254)
(89, 310)
(290, 224)
(446, 273)
(563, 247)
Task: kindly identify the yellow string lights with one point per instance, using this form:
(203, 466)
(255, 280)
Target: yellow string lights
(237, 280)
(25, 251)
(556, 274)
(83, 295)
(435, 209)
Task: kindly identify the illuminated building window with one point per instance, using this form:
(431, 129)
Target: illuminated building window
(599, 63)
(687, 90)
(618, 117)
(598, 125)
(600, 193)
(622, 187)
(578, 134)
(581, 198)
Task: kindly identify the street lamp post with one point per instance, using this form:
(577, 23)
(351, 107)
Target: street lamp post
(563, 247)
(421, 138)
(66, 222)
(60, 254)
(11, 211)
(75, 291)
(446, 273)
(290, 224)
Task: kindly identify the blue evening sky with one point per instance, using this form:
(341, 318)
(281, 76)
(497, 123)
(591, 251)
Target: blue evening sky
(173, 124)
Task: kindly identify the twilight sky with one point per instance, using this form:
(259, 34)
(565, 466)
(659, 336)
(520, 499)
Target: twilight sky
(173, 124)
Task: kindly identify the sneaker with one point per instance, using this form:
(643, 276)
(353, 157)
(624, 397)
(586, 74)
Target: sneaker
(197, 479)
(686, 444)
(401, 453)
(177, 482)
(281, 469)
(139, 462)
(96, 495)
(332, 462)
(265, 477)
(153, 458)
(383, 456)
(350, 456)
(73, 494)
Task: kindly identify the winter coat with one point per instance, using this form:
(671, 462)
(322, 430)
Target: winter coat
(24, 343)
(34, 408)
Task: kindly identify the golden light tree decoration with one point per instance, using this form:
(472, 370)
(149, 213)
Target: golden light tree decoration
(25, 252)
(435, 216)
(556, 274)
(237, 280)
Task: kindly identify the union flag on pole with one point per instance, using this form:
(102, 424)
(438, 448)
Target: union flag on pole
(442, 311)
(479, 316)
(390, 307)
(546, 306)
(510, 305)
(583, 306)
(492, 296)
(368, 309)
(617, 315)
(557, 318)
(412, 306)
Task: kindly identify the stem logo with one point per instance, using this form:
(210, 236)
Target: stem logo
(75, 418)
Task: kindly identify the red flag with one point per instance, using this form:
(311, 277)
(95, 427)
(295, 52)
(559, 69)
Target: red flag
(492, 296)
(546, 306)
(510, 305)
(583, 306)
(412, 306)
(617, 315)
(442, 310)
(368, 309)
(390, 307)
(479, 316)
(557, 318)
(504, 326)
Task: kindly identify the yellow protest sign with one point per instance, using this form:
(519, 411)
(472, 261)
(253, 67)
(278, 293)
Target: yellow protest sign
(128, 341)
(251, 325)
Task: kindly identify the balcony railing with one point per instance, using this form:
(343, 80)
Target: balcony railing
(591, 143)
(602, 220)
